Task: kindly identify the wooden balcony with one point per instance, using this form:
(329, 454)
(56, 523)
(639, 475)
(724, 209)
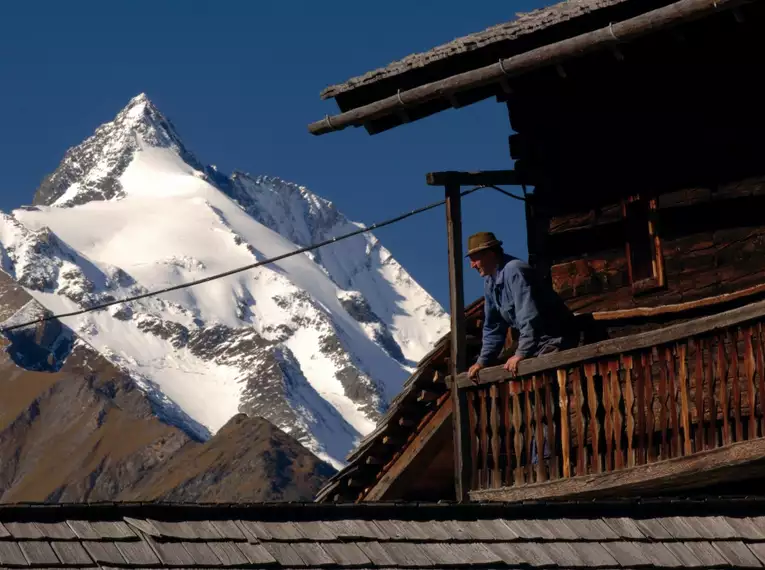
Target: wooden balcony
(667, 410)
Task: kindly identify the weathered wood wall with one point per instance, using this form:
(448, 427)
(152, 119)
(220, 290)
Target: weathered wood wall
(713, 242)
(430, 475)
(675, 117)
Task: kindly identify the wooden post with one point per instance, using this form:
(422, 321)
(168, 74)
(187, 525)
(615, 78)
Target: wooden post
(458, 355)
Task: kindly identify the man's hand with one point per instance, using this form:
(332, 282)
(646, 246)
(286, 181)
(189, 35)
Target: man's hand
(473, 372)
(512, 364)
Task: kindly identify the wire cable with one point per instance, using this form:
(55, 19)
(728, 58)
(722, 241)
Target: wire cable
(506, 193)
(251, 266)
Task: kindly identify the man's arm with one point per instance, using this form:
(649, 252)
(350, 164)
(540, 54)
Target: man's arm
(494, 332)
(526, 311)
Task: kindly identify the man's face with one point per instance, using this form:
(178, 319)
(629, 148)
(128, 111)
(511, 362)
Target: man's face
(485, 262)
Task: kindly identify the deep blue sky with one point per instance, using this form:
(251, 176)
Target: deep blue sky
(241, 80)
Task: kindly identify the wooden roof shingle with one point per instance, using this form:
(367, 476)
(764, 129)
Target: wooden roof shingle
(677, 533)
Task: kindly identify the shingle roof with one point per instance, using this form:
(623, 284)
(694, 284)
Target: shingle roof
(524, 24)
(717, 532)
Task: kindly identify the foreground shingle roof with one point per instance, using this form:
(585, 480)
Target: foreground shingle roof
(717, 532)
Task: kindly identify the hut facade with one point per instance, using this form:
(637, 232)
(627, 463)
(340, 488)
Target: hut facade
(638, 125)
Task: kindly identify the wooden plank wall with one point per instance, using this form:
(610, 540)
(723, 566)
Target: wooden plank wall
(713, 243)
(675, 117)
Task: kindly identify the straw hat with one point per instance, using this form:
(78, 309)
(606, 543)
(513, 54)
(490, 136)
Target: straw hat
(480, 241)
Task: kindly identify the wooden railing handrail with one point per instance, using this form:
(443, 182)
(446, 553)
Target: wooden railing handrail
(614, 346)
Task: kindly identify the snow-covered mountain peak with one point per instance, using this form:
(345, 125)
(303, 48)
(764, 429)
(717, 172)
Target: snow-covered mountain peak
(139, 103)
(138, 107)
(91, 170)
(316, 343)
(142, 117)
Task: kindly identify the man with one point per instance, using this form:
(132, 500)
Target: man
(515, 298)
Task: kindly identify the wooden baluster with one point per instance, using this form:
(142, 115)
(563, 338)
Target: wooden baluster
(508, 421)
(529, 431)
(608, 419)
(722, 376)
(663, 397)
(733, 339)
(485, 443)
(629, 402)
(711, 388)
(495, 438)
(698, 384)
(761, 376)
(675, 445)
(581, 433)
(650, 420)
(517, 419)
(539, 429)
(592, 397)
(474, 439)
(564, 424)
(483, 427)
(749, 365)
(616, 412)
(642, 413)
(685, 408)
(552, 426)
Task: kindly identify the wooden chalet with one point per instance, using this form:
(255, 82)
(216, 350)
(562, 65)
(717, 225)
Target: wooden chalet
(637, 126)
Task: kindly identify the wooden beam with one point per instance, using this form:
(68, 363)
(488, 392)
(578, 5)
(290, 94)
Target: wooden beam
(370, 438)
(427, 395)
(398, 468)
(458, 356)
(732, 462)
(644, 24)
(677, 307)
(488, 177)
(620, 345)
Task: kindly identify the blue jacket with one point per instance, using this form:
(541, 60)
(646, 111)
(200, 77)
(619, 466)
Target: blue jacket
(514, 298)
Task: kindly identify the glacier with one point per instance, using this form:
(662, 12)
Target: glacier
(317, 343)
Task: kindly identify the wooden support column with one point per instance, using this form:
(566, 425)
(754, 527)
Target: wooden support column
(452, 181)
(458, 359)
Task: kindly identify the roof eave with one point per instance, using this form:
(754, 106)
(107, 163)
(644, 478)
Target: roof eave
(407, 105)
(523, 25)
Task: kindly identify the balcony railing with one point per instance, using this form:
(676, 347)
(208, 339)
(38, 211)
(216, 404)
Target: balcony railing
(658, 409)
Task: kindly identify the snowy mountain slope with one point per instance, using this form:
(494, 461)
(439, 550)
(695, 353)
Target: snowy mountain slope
(360, 265)
(316, 343)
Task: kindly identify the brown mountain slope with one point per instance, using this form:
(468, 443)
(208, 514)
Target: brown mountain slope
(249, 459)
(83, 431)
